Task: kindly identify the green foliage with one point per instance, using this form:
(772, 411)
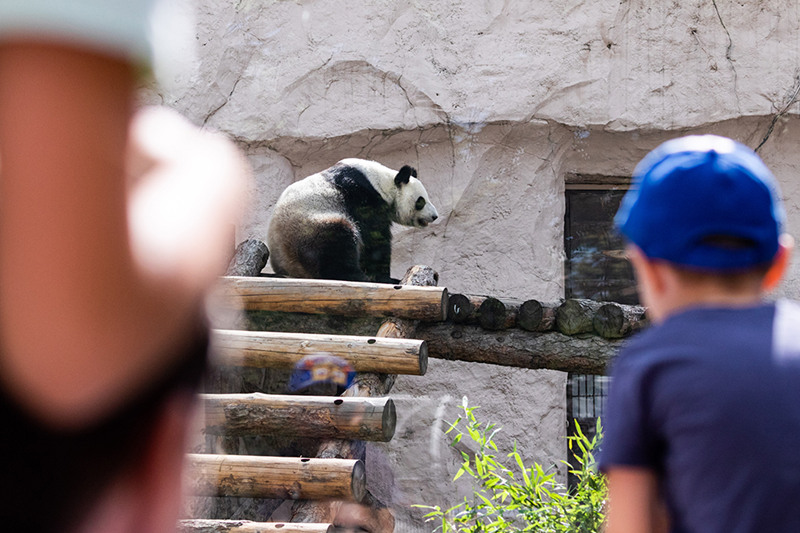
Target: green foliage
(518, 498)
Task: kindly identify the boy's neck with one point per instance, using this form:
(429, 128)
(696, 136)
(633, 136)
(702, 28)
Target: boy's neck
(681, 290)
(705, 296)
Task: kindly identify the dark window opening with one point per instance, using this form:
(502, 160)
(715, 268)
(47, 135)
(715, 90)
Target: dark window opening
(596, 268)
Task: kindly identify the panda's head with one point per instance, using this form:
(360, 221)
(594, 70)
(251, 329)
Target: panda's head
(412, 207)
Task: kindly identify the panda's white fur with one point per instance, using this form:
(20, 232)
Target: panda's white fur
(336, 224)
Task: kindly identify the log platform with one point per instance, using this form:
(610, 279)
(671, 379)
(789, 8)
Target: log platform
(422, 321)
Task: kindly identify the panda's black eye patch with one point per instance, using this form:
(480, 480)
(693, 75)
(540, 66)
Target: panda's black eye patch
(420, 203)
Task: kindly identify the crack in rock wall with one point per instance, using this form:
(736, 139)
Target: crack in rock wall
(495, 102)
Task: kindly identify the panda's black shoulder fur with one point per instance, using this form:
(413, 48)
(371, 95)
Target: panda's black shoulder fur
(356, 190)
(372, 216)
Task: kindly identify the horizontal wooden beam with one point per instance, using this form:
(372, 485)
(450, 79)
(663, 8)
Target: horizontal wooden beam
(283, 350)
(332, 297)
(587, 354)
(284, 478)
(246, 526)
(354, 418)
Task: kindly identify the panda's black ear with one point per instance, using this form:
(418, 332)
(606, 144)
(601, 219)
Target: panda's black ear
(404, 175)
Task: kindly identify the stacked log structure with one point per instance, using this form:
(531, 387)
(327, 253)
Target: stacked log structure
(305, 317)
(367, 384)
(326, 480)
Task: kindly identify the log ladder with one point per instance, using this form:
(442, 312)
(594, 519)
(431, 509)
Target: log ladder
(328, 481)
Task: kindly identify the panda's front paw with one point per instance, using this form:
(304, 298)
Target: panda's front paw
(387, 279)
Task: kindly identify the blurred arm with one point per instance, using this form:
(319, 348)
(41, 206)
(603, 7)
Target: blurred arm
(634, 505)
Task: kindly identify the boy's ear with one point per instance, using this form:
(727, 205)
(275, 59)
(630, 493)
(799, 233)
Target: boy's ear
(779, 264)
(651, 281)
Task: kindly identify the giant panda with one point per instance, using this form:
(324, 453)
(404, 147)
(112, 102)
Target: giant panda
(336, 224)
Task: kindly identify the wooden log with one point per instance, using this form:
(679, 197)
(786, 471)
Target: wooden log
(246, 526)
(370, 419)
(284, 350)
(251, 476)
(332, 297)
(613, 320)
(249, 259)
(494, 314)
(514, 347)
(463, 308)
(576, 316)
(534, 315)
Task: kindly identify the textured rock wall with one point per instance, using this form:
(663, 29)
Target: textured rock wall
(495, 102)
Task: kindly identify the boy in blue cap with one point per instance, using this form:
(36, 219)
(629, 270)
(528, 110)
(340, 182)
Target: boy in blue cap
(703, 420)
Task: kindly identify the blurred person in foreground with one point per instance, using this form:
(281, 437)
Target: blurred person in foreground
(113, 223)
(703, 418)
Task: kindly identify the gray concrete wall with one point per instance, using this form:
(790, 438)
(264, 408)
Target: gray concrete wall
(495, 102)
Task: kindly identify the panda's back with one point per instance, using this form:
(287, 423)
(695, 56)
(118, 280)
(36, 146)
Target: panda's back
(313, 194)
(329, 209)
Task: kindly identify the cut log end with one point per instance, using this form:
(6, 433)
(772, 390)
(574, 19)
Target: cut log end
(494, 314)
(445, 304)
(421, 276)
(530, 315)
(574, 316)
(614, 321)
(389, 421)
(423, 358)
(459, 308)
(359, 481)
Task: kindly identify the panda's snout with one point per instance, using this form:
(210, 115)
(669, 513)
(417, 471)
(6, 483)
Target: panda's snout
(423, 222)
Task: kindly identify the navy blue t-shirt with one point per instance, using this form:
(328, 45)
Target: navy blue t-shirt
(710, 401)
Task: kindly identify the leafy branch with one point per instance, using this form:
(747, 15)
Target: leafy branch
(519, 498)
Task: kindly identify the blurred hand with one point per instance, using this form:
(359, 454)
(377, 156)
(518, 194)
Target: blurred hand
(186, 192)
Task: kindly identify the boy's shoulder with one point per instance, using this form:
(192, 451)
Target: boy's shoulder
(705, 333)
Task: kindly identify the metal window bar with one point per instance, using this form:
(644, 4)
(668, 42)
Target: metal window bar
(587, 395)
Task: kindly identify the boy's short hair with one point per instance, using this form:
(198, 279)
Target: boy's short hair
(703, 202)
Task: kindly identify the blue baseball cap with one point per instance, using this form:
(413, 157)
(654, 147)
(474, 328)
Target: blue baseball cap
(706, 202)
